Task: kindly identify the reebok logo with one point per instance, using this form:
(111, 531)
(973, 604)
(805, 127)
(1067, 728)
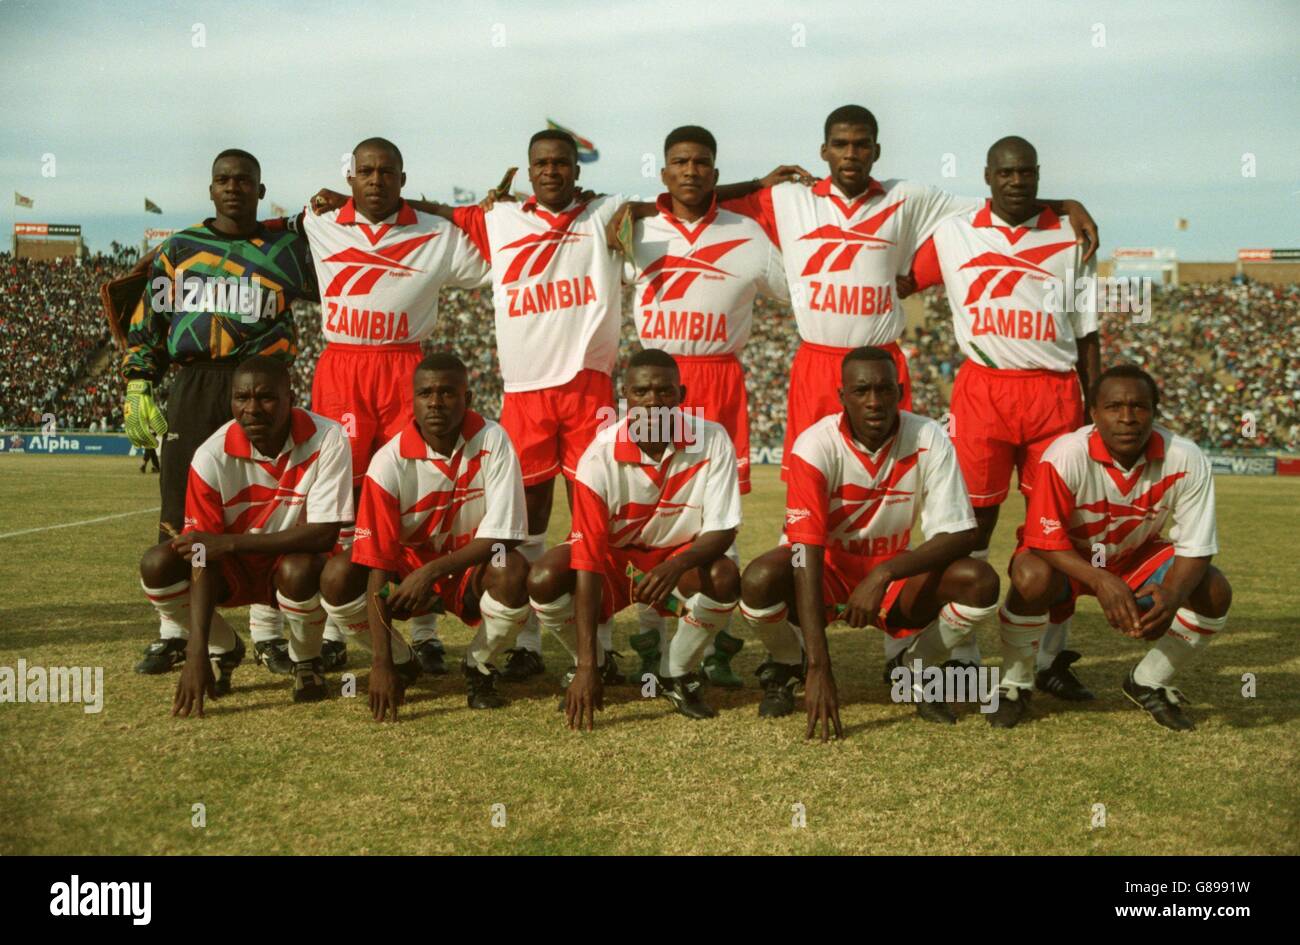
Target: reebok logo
(1049, 525)
(673, 275)
(845, 244)
(539, 248)
(362, 268)
(1008, 270)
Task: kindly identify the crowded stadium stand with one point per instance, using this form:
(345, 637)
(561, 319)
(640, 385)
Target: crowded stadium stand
(1222, 350)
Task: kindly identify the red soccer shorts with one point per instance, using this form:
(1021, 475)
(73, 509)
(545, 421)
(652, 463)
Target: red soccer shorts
(550, 428)
(715, 384)
(815, 385)
(616, 585)
(455, 591)
(249, 579)
(1147, 562)
(841, 573)
(1006, 419)
(367, 388)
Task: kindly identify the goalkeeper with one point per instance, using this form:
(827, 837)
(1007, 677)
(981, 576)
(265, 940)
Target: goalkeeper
(218, 293)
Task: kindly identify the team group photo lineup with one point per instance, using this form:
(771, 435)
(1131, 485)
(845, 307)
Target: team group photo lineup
(555, 476)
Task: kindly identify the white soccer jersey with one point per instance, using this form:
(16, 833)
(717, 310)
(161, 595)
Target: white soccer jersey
(842, 255)
(696, 282)
(1016, 299)
(379, 282)
(1082, 498)
(235, 489)
(556, 287)
(624, 499)
(418, 505)
(851, 501)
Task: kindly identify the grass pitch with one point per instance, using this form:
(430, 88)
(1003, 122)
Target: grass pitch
(324, 778)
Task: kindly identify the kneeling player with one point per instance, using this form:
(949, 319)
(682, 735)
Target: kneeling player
(656, 506)
(442, 508)
(267, 493)
(857, 482)
(1094, 527)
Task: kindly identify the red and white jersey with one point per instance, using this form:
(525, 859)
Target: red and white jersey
(1082, 498)
(843, 254)
(849, 500)
(1017, 302)
(696, 282)
(379, 282)
(556, 286)
(624, 499)
(416, 499)
(235, 489)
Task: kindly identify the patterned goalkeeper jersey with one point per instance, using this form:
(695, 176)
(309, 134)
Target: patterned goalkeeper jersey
(212, 297)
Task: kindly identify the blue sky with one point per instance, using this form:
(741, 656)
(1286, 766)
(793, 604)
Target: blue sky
(1145, 111)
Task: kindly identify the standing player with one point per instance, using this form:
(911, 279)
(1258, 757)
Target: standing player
(656, 506)
(697, 269)
(380, 264)
(1102, 498)
(267, 493)
(218, 293)
(858, 481)
(844, 240)
(442, 509)
(1010, 269)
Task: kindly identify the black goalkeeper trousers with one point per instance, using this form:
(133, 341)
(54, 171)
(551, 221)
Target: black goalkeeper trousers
(198, 404)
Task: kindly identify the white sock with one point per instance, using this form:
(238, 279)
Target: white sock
(173, 606)
(927, 646)
(648, 619)
(1189, 632)
(1019, 635)
(423, 627)
(530, 638)
(497, 630)
(772, 626)
(557, 619)
(1053, 642)
(605, 636)
(894, 645)
(957, 626)
(969, 649)
(265, 623)
(352, 620)
(305, 622)
(701, 619)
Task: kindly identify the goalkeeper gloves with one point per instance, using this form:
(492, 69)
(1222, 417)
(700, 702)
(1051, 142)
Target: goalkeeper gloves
(145, 423)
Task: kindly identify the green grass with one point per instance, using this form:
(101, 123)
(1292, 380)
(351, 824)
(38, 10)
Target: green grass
(279, 778)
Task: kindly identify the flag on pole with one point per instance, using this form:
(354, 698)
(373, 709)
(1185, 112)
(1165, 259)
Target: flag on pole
(1182, 223)
(151, 207)
(21, 201)
(586, 150)
(461, 197)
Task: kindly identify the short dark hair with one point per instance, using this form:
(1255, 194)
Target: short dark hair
(442, 361)
(380, 143)
(264, 364)
(850, 115)
(238, 153)
(867, 353)
(691, 134)
(1010, 143)
(653, 357)
(1129, 372)
(554, 134)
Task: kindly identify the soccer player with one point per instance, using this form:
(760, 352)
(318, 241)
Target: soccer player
(380, 263)
(1030, 340)
(1102, 498)
(656, 506)
(697, 269)
(844, 240)
(266, 496)
(858, 481)
(442, 510)
(218, 293)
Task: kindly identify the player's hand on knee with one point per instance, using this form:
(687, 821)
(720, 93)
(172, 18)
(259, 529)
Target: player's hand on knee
(1156, 621)
(863, 606)
(584, 698)
(659, 582)
(195, 683)
(414, 594)
(822, 703)
(386, 691)
(1118, 604)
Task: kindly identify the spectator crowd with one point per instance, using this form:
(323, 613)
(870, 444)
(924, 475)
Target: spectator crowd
(1225, 354)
